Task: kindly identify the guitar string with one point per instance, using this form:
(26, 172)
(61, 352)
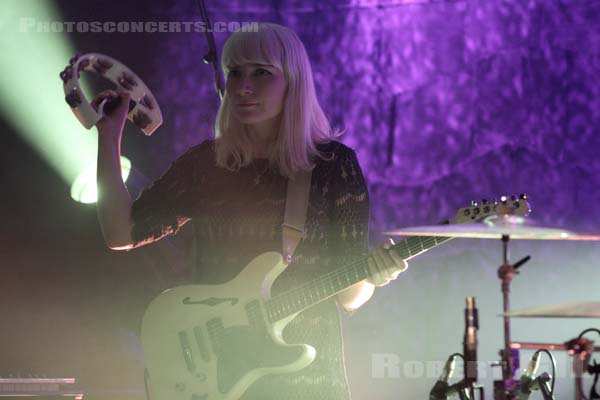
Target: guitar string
(274, 312)
(279, 303)
(328, 277)
(326, 280)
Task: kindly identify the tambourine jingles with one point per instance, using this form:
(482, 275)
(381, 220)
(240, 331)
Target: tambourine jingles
(144, 111)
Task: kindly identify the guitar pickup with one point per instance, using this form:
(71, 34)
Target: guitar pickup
(201, 343)
(187, 351)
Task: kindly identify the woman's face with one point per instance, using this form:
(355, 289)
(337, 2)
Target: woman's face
(257, 92)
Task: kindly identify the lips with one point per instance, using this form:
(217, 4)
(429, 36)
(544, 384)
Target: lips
(246, 104)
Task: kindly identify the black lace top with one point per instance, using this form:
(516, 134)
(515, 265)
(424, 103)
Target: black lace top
(238, 215)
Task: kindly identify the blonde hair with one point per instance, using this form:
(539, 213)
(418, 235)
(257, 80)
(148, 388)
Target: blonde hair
(303, 123)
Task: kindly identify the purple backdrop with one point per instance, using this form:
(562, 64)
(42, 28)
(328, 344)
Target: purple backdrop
(444, 102)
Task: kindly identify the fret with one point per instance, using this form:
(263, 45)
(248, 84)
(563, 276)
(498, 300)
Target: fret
(407, 248)
(418, 246)
(318, 289)
(339, 282)
(347, 278)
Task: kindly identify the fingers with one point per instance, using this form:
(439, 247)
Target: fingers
(376, 278)
(123, 104)
(106, 94)
(110, 95)
(385, 264)
(113, 108)
(388, 243)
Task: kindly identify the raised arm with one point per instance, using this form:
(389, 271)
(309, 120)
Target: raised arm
(114, 202)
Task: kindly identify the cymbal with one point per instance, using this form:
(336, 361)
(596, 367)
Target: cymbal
(495, 227)
(589, 309)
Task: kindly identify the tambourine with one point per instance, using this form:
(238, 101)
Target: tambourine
(144, 111)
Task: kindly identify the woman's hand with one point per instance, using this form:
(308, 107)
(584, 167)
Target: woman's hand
(113, 121)
(385, 264)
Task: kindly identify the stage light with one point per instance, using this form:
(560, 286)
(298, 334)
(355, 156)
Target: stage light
(84, 189)
(34, 50)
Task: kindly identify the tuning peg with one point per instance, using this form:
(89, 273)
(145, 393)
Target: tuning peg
(523, 196)
(503, 199)
(495, 201)
(474, 203)
(484, 202)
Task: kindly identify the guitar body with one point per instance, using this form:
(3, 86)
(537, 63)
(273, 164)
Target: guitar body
(211, 342)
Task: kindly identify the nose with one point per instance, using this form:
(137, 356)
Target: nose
(245, 88)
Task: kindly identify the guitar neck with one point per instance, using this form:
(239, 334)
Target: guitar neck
(341, 278)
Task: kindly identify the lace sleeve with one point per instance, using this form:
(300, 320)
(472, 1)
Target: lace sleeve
(350, 209)
(166, 205)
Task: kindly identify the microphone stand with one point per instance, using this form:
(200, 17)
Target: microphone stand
(212, 57)
(510, 361)
(465, 390)
(594, 370)
(581, 350)
(542, 381)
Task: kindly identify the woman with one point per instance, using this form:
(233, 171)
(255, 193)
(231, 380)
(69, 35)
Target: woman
(233, 189)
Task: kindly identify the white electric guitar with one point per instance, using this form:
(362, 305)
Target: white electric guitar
(211, 342)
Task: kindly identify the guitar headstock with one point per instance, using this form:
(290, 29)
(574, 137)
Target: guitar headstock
(513, 205)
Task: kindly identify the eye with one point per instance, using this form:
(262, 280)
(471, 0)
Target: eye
(262, 72)
(233, 73)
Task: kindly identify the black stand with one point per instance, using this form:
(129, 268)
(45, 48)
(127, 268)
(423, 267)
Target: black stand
(510, 361)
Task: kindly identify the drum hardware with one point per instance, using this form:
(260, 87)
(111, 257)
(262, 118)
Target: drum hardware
(547, 346)
(588, 309)
(467, 387)
(470, 342)
(506, 273)
(580, 349)
(506, 226)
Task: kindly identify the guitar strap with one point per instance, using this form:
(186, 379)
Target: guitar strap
(296, 204)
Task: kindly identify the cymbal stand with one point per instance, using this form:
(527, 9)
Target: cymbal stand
(581, 350)
(510, 357)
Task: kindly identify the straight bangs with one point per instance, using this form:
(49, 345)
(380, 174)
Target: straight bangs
(260, 47)
(303, 123)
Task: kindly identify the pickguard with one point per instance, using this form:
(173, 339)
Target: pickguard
(244, 348)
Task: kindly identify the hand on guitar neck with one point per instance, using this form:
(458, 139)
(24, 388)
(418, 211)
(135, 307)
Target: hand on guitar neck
(385, 265)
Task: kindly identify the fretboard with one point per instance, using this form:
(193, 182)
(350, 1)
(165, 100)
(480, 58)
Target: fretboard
(339, 279)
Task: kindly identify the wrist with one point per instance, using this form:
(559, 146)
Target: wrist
(109, 137)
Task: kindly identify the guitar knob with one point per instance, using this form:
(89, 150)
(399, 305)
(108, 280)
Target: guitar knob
(474, 203)
(503, 199)
(523, 196)
(201, 377)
